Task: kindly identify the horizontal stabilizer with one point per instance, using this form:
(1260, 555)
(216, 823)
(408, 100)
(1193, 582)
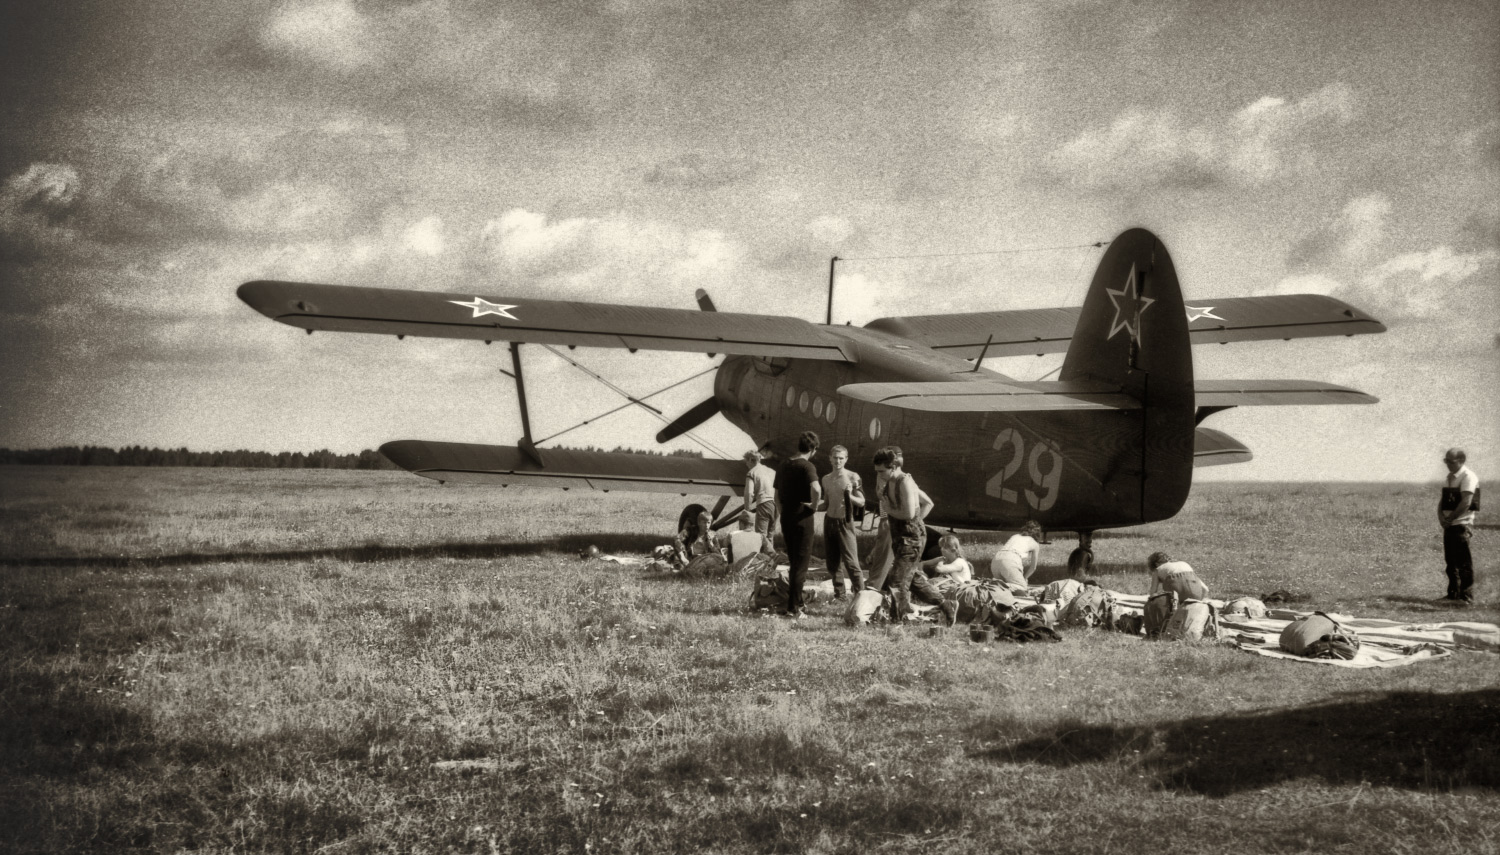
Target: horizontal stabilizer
(387, 311)
(1275, 393)
(993, 396)
(566, 468)
(1217, 448)
(1036, 331)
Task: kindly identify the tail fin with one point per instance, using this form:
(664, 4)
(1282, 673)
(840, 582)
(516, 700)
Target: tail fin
(1132, 332)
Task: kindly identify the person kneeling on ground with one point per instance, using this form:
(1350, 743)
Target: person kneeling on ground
(951, 568)
(1175, 576)
(1015, 562)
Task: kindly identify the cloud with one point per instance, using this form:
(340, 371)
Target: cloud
(441, 51)
(830, 230)
(1433, 283)
(1268, 140)
(1351, 237)
(36, 207)
(698, 171)
(631, 260)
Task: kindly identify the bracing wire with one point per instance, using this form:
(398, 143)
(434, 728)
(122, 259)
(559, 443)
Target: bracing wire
(626, 405)
(633, 399)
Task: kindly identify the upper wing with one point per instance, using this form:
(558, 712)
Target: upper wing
(345, 308)
(1038, 331)
(595, 470)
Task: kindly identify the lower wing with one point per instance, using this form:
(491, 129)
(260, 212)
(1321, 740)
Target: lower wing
(566, 468)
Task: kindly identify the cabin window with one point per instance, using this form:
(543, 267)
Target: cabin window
(875, 428)
(817, 408)
(791, 395)
(830, 412)
(772, 365)
(802, 402)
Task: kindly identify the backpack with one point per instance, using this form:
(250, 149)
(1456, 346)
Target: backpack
(981, 599)
(1062, 592)
(1247, 606)
(1159, 609)
(771, 589)
(710, 566)
(1318, 636)
(1088, 608)
(865, 606)
(1193, 621)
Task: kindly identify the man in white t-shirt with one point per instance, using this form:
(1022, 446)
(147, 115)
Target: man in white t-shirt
(1460, 499)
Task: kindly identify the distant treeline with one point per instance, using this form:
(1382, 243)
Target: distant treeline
(136, 455)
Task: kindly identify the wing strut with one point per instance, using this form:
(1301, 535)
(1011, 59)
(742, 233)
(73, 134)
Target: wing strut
(527, 447)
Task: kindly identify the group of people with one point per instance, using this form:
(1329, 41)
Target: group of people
(793, 493)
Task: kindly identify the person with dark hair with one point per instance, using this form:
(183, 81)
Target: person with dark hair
(1175, 576)
(798, 493)
(843, 495)
(1015, 562)
(1460, 499)
(904, 506)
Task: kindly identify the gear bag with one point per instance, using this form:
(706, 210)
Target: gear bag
(1088, 608)
(1192, 621)
(1318, 636)
(1159, 609)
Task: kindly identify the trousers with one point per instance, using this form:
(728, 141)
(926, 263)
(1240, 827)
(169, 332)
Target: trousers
(842, 552)
(906, 577)
(1460, 562)
(797, 531)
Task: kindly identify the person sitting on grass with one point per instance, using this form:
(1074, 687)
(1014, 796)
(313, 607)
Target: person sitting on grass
(951, 568)
(696, 538)
(1175, 576)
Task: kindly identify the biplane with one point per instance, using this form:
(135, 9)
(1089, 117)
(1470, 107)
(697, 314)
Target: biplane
(1111, 442)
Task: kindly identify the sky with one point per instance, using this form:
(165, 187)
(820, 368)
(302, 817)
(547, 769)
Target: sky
(962, 155)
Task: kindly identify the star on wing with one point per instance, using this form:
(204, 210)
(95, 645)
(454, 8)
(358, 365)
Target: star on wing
(1129, 304)
(483, 307)
(1194, 313)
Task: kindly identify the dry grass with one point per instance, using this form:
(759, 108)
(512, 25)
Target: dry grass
(215, 661)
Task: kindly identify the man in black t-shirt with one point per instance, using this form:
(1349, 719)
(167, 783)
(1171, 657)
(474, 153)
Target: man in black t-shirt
(798, 493)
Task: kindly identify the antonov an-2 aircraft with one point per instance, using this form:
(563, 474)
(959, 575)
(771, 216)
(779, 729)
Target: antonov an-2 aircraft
(1111, 442)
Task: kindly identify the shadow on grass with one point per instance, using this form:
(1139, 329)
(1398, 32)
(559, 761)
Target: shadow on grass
(611, 542)
(1416, 740)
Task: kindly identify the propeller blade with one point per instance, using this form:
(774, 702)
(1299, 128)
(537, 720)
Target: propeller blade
(689, 420)
(704, 301)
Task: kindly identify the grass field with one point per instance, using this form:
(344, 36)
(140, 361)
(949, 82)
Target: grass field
(323, 661)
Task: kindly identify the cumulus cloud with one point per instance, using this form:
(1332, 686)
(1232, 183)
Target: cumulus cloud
(1352, 236)
(630, 259)
(36, 205)
(830, 230)
(1267, 140)
(445, 50)
(1432, 283)
(700, 171)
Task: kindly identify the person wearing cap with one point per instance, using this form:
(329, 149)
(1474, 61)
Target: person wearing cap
(843, 492)
(1456, 507)
(760, 493)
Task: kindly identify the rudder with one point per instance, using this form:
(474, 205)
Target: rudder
(1132, 331)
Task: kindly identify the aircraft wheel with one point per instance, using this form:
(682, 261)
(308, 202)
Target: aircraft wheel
(690, 514)
(1080, 561)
